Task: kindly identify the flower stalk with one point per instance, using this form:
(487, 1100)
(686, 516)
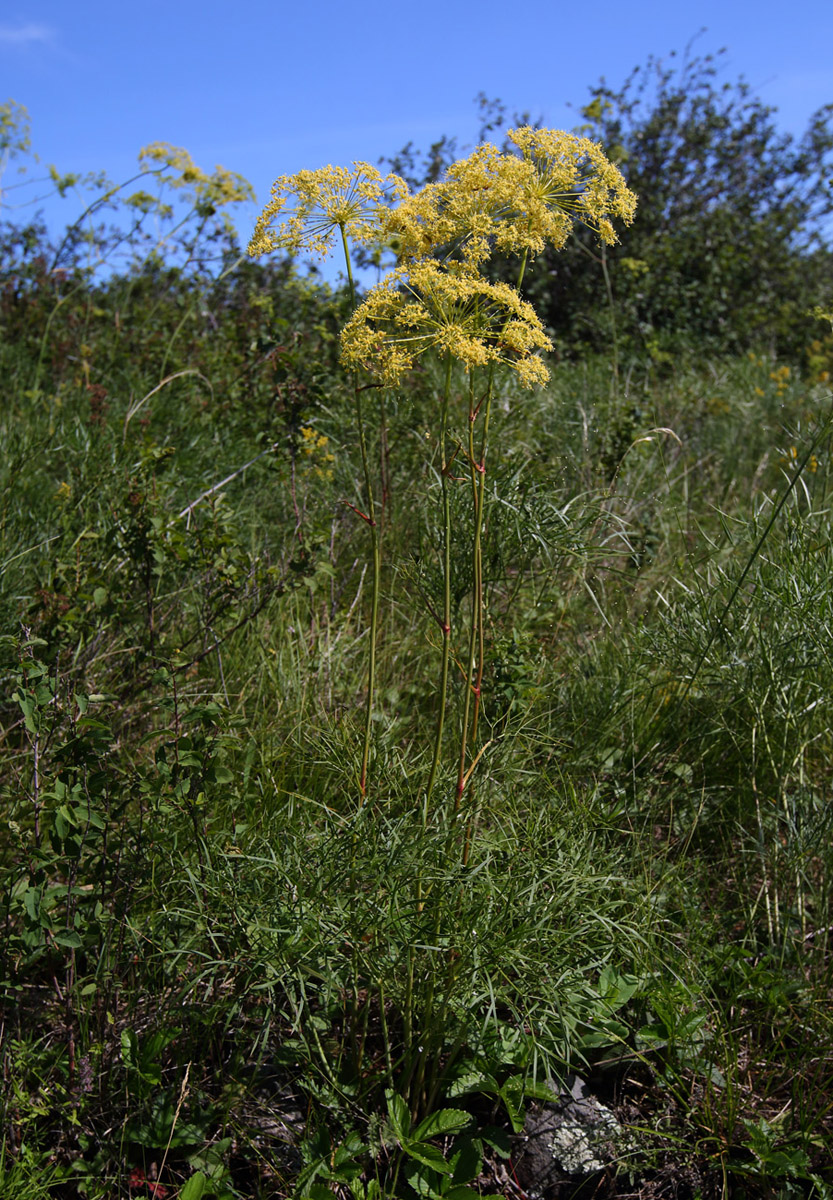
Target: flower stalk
(375, 551)
(446, 614)
(513, 201)
(473, 672)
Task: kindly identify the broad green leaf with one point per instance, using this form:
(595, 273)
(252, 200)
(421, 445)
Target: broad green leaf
(194, 1188)
(318, 1191)
(472, 1081)
(398, 1115)
(539, 1091)
(69, 939)
(498, 1139)
(512, 1095)
(428, 1155)
(467, 1160)
(616, 989)
(445, 1120)
(423, 1181)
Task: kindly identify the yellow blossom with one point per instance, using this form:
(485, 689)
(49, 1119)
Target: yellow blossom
(422, 307)
(515, 203)
(221, 187)
(573, 175)
(316, 207)
(314, 444)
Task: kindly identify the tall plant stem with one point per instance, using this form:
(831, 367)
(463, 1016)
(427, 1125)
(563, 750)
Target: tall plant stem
(474, 667)
(446, 620)
(375, 552)
(522, 269)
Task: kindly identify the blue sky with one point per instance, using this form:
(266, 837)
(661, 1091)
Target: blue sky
(268, 88)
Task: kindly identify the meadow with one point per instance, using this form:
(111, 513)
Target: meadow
(359, 798)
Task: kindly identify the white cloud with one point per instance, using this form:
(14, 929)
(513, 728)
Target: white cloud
(24, 35)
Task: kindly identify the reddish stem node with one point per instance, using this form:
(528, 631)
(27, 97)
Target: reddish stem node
(359, 512)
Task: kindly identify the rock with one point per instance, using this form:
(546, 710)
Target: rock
(576, 1136)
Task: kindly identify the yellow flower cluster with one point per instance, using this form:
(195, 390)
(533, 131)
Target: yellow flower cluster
(222, 187)
(329, 202)
(573, 176)
(515, 202)
(424, 307)
(820, 359)
(781, 378)
(314, 445)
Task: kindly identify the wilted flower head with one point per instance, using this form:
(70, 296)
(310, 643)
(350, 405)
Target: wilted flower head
(315, 207)
(515, 203)
(424, 307)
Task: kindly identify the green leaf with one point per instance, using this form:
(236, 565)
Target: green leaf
(318, 1191)
(472, 1081)
(605, 1033)
(68, 939)
(194, 1188)
(531, 1090)
(498, 1139)
(129, 1048)
(616, 989)
(423, 1182)
(467, 1160)
(445, 1120)
(398, 1115)
(31, 902)
(429, 1156)
(304, 1181)
(512, 1094)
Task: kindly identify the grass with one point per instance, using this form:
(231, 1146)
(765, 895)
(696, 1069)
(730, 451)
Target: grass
(222, 974)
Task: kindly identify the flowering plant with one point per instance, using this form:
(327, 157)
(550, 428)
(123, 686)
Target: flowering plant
(436, 301)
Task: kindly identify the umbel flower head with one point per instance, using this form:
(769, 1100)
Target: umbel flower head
(515, 203)
(423, 307)
(222, 187)
(572, 176)
(315, 208)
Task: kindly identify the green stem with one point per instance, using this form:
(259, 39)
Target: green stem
(612, 307)
(477, 642)
(374, 550)
(476, 637)
(522, 270)
(478, 582)
(446, 622)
